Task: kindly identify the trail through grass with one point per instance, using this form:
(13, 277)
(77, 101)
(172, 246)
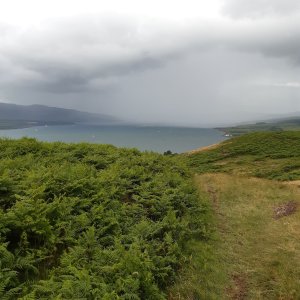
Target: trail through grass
(255, 251)
(254, 255)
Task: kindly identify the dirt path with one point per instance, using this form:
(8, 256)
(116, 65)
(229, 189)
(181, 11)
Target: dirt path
(293, 182)
(261, 253)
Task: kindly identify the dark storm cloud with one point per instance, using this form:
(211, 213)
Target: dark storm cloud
(92, 52)
(82, 53)
(151, 70)
(260, 8)
(274, 38)
(269, 27)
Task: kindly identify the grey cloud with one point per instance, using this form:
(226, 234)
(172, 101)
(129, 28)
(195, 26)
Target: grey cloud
(68, 56)
(260, 8)
(145, 70)
(279, 38)
(275, 39)
(92, 52)
(205, 89)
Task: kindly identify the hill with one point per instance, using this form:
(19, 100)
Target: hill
(83, 221)
(279, 124)
(16, 116)
(262, 154)
(252, 184)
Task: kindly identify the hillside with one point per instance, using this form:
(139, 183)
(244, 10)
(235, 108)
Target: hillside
(16, 116)
(265, 154)
(255, 249)
(83, 221)
(281, 124)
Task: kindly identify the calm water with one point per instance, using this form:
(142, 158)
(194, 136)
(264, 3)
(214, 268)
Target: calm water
(158, 139)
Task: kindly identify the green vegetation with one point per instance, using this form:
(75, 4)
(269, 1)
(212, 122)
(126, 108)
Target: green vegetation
(252, 255)
(289, 124)
(204, 273)
(254, 252)
(265, 154)
(82, 221)
(255, 255)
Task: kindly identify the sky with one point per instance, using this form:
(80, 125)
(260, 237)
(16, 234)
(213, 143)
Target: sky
(191, 62)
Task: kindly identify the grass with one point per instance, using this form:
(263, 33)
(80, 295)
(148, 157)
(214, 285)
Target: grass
(202, 274)
(253, 255)
(288, 124)
(90, 221)
(262, 154)
(246, 252)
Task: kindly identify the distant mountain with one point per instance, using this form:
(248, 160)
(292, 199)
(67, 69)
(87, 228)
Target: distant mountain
(46, 114)
(276, 124)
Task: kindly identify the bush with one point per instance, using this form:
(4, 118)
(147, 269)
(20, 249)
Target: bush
(82, 221)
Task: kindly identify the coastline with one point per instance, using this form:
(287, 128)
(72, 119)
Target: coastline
(205, 148)
(20, 124)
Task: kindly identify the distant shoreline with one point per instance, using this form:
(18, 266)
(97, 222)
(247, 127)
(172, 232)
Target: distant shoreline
(21, 124)
(205, 148)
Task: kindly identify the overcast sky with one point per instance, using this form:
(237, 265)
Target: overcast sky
(190, 62)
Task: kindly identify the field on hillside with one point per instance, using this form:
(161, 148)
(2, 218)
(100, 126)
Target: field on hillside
(255, 249)
(289, 124)
(82, 221)
(258, 225)
(265, 154)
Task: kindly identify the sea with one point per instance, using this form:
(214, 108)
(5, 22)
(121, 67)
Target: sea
(150, 138)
